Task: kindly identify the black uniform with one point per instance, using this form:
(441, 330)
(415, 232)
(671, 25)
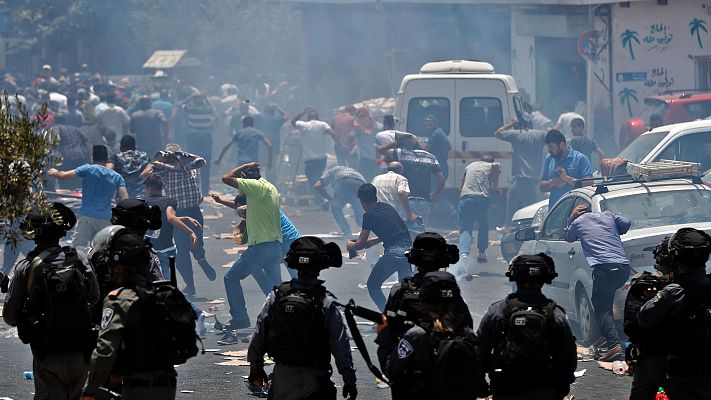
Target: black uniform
(554, 382)
(686, 356)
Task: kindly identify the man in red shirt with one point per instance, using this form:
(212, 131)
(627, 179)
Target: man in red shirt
(345, 143)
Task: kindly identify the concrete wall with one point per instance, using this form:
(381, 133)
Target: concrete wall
(658, 52)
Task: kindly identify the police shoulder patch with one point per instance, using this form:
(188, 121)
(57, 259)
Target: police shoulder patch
(106, 317)
(404, 349)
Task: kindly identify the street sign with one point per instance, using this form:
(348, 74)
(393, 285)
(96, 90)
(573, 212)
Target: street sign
(631, 76)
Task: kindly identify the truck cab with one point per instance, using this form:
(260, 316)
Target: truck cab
(470, 101)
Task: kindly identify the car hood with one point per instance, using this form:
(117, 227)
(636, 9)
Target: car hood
(529, 211)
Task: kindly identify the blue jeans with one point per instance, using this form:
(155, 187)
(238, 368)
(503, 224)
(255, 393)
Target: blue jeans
(260, 260)
(473, 208)
(346, 191)
(285, 249)
(421, 207)
(165, 263)
(392, 261)
(183, 263)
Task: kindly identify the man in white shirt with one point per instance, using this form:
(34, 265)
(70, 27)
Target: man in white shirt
(313, 142)
(394, 189)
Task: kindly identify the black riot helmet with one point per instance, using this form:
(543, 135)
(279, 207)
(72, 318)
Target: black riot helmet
(52, 224)
(690, 247)
(537, 268)
(662, 259)
(439, 290)
(313, 254)
(118, 245)
(431, 252)
(136, 214)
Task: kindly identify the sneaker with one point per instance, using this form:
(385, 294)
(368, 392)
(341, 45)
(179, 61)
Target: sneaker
(615, 353)
(228, 339)
(207, 269)
(200, 327)
(481, 257)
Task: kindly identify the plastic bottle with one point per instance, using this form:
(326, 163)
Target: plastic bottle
(661, 395)
(619, 367)
(29, 375)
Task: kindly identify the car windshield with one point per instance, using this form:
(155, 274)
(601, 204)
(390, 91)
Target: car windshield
(653, 107)
(652, 209)
(641, 146)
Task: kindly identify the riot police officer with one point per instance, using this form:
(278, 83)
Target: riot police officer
(429, 252)
(301, 327)
(681, 311)
(527, 347)
(437, 358)
(60, 335)
(645, 353)
(123, 353)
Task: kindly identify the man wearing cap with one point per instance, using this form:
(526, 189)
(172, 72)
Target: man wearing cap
(384, 221)
(263, 245)
(150, 127)
(59, 355)
(181, 179)
(99, 186)
(521, 363)
(302, 344)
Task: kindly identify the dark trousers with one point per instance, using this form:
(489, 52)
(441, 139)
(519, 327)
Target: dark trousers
(200, 143)
(313, 169)
(648, 377)
(522, 192)
(368, 168)
(471, 209)
(183, 263)
(607, 278)
(345, 159)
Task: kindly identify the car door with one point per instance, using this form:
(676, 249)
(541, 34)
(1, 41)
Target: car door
(551, 242)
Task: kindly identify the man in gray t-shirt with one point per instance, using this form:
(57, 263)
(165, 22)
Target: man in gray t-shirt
(479, 182)
(526, 162)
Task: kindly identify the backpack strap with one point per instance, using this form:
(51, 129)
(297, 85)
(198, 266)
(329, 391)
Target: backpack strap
(34, 264)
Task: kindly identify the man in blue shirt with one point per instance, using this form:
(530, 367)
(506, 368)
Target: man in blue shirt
(99, 185)
(437, 143)
(599, 235)
(562, 167)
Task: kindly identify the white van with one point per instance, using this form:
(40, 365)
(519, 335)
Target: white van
(687, 141)
(470, 101)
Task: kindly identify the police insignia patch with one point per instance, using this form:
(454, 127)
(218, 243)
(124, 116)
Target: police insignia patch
(404, 349)
(106, 317)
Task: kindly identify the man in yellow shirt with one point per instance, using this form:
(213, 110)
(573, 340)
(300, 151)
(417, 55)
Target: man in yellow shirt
(263, 246)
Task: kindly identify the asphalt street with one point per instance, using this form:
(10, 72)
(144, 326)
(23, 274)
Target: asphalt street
(201, 378)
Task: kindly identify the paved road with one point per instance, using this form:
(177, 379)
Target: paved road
(210, 381)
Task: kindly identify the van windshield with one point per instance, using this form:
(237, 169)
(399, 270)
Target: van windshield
(419, 107)
(641, 146)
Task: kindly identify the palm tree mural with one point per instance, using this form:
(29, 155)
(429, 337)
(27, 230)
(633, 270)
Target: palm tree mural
(627, 96)
(695, 27)
(627, 38)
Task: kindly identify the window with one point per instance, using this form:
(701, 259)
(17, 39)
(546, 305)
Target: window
(555, 223)
(580, 200)
(699, 110)
(419, 107)
(641, 146)
(648, 210)
(480, 116)
(694, 147)
(702, 65)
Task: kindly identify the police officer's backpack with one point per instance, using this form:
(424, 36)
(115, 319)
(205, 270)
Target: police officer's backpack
(455, 366)
(523, 356)
(170, 324)
(57, 317)
(688, 348)
(296, 327)
(641, 290)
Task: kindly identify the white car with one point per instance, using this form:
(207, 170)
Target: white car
(657, 209)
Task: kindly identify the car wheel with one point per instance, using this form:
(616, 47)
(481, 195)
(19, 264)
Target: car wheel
(586, 318)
